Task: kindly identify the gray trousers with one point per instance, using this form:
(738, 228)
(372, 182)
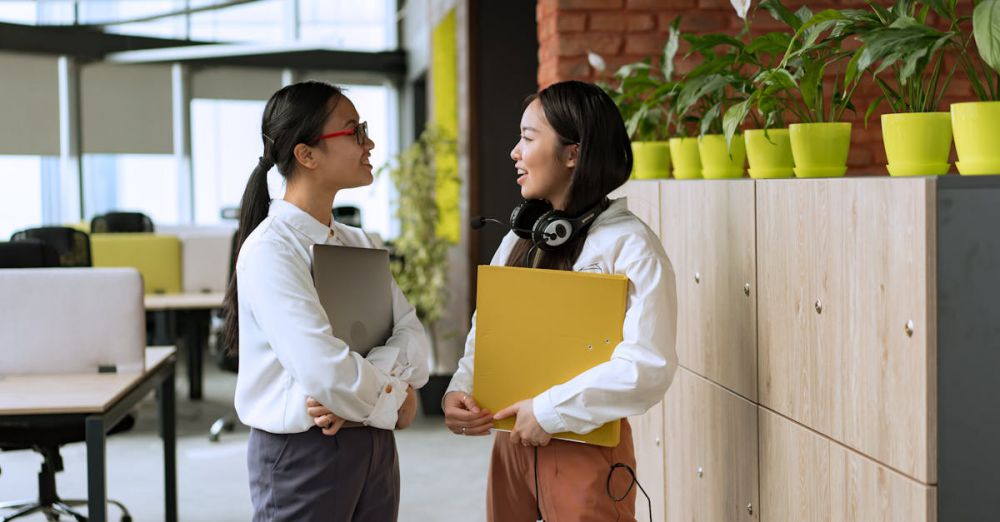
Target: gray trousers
(352, 476)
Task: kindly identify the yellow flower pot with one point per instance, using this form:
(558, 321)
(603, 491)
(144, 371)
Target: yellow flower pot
(820, 149)
(917, 144)
(719, 161)
(977, 137)
(769, 153)
(650, 159)
(685, 157)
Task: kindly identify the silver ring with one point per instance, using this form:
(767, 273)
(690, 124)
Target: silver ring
(463, 430)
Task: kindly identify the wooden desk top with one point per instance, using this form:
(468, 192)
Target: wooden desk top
(190, 301)
(42, 394)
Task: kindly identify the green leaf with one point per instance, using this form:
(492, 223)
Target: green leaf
(871, 108)
(733, 119)
(910, 66)
(781, 13)
(986, 28)
(709, 118)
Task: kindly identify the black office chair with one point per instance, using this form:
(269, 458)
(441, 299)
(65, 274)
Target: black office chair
(29, 253)
(33, 253)
(348, 215)
(223, 360)
(72, 245)
(121, 222)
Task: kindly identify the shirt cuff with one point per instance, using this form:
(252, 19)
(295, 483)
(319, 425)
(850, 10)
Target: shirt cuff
(386, 410)
(546, 415)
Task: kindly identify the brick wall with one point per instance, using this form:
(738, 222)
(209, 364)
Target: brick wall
(623, 31)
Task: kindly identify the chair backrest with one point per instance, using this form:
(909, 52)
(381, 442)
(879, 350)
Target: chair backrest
(30, 253)
(72, 245)
(121, 222)
(71, 320)
(157, 257)
(205, 260)
(348, 215)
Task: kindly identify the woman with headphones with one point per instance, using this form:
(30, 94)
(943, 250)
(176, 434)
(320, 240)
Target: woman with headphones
(573, 151)
(339, 463)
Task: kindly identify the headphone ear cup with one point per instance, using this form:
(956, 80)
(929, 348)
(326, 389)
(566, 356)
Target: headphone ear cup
(552, 230)
(525, 215)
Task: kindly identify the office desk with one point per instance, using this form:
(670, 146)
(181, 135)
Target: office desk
(193, 313)
(99, 401)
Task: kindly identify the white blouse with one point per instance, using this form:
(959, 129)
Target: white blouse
(643, 364)
(287, 348)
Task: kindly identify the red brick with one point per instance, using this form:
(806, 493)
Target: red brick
(659, 4)
(546, 8)
(580, 44)
(573, 69)
(547, 28)
(589, 4)
(645, 44)
(611, 22)
(699, 22)
(859, 157)
(571, 22)
(640, 22)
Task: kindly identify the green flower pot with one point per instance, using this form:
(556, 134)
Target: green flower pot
(820, 149)
(719, 161)
(650, 159)
(769, 153)
(686, 158)
(977, 137)
(917, 144)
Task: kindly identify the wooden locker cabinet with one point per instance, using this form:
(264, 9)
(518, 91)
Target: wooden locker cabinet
(805, 476)
(711, 452)
(708, 232)
(844, 345)
(643, 199)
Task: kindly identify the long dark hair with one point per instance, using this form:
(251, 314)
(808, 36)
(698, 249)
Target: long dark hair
(295, 114)
(584, 114)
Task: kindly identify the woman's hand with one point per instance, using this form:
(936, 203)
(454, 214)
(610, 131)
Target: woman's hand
(526, 430)
(408, 410)
(463, 416)
(323, 417)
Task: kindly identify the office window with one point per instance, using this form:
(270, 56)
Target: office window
(131, 182)
(19, 12)
(226, 143)
(20, 193)
(346, 24)
(254, 22)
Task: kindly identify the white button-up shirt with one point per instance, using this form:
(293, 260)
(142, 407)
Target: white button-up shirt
(287, 348)
(643, 364)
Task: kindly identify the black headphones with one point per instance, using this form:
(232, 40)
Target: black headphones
(547, 228)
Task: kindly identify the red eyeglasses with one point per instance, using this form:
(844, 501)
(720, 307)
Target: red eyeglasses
(360, 132)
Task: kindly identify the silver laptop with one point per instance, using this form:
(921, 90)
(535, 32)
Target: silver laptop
(355, 289)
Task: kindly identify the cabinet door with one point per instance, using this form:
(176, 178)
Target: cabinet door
(865, 491)
(708, 232)
(846, 327)
(885, 382)
(647, 437)
(711, 452)
(799, 305)
(794, 472)
(643, 198)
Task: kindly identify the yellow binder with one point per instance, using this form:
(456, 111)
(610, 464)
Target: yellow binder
(539, 328)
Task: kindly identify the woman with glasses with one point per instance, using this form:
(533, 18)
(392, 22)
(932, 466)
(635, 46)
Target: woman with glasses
(336, 459)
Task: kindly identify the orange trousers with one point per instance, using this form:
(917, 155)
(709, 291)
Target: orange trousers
(572, 481)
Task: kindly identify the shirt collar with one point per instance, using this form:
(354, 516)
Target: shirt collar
(301, 220)
(615, 209)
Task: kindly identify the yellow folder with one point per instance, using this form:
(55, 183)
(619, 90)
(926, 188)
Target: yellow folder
(539, 328)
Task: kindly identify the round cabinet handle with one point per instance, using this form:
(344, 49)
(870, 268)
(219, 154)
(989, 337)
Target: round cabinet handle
(700, 472)
(819, 306)
(750, 509)
(909, 328)
(697, 277)
(746, 289)
(657, 441)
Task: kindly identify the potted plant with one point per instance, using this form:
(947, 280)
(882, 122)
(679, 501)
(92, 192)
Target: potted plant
(820, 141)
(643, 94)
(420, 254)
(717, 83)
(897, 41)
(977, 124)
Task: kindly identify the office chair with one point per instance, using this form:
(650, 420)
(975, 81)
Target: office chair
(348, 215)
(121, 222)
(224, 361)
(32, 253)
(72, 245)
(28, 253)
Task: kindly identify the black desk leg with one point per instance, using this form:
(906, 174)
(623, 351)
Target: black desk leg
(97, 471)
(168, 431)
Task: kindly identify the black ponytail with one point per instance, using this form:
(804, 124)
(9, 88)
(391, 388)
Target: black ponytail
(295, 114)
